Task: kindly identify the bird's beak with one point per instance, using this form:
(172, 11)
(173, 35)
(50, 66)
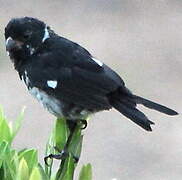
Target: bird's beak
(13, 44)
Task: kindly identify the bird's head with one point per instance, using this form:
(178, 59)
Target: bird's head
(25, 34)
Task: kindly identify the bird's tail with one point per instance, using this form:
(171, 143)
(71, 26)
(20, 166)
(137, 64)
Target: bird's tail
(155, 106)
(126, 104)
(134, 114)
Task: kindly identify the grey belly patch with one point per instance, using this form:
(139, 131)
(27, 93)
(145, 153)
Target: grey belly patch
(48, 102)
(55, 107)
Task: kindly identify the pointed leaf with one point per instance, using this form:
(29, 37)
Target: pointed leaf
(23, 172)
(42, 172)
(31, 157)
(61, 133)
(5, 134)
(49, 150)
(86, 172)
(4, 148)
(35, 175)
(18, 122)
(68, 169)
(76, 142)
(2, 116)
(10, 164)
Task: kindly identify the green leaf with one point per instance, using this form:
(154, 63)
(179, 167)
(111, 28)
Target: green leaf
(10, 164)
(1, 173)
(61, 133)
(76, 142)
(14, 162)
(42, 172)
(8, 131)
(5, 134)
(18, 123)
(49, 150)
(35, 175)
(4, 152)
(68, 169)
(23, 172)
(4, 148)
(31, 157)
(86, 172)
(2, 116)
(78, 147)
(9, 174)
(9, 161)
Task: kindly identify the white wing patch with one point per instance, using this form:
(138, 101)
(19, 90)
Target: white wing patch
(97, 61)
(52, 84)
(46, 34)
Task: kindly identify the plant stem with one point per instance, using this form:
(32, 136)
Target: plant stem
(72, 150)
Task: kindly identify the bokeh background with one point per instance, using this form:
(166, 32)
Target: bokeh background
(142, 41)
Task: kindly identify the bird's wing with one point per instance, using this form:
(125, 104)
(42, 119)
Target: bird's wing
(85, 83)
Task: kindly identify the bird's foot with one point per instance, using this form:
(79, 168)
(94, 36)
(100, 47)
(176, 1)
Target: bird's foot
(60, 156)
(84, 123)
(72, 124)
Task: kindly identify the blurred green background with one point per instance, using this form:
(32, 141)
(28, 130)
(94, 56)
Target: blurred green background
(142, 41)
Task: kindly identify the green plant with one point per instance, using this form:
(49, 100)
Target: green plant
(24, 165)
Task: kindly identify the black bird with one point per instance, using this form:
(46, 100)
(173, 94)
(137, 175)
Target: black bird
(66, 78)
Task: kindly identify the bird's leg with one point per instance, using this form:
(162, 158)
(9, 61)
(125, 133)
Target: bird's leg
(64, 153)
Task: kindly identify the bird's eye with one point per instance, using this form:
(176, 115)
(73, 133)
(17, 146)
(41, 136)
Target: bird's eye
(27, 35)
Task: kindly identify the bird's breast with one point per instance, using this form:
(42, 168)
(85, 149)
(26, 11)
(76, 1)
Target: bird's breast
(49, 103)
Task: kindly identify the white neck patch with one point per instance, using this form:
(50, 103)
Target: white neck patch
(9, 38)
(46, 34)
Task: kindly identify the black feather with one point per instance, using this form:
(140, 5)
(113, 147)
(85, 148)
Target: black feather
(134, 114)
(153, 105)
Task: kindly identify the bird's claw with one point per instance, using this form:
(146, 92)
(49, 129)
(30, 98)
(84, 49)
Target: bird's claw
(59, 156)
(84, 123)
(62, 155)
